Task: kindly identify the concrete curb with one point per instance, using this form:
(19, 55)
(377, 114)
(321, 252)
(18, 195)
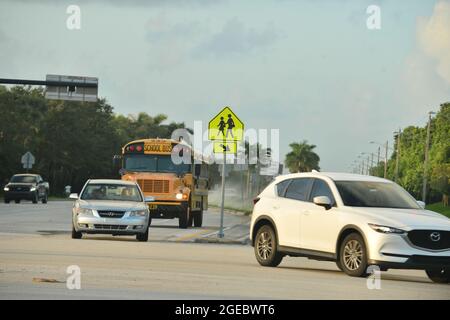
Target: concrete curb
(228, 211)
(222, 241)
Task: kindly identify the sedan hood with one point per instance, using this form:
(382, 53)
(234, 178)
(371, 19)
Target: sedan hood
(111, 205)
(406, 219)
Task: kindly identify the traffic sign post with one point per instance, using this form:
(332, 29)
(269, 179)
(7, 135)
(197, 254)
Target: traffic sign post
(222, 202)
(225, 129)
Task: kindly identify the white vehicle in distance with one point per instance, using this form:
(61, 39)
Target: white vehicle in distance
(354, 220)
(114, 207)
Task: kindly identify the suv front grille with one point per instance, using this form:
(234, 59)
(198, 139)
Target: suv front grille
(430, 239)
(110, 227)
(154, 186)
(418, 259)
(110, 214)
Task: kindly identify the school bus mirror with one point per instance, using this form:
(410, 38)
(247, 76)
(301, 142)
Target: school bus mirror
(197, 170)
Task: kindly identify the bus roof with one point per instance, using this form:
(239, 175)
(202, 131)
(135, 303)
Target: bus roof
(197, 155)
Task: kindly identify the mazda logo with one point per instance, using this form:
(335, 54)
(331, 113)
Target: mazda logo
(435, 236)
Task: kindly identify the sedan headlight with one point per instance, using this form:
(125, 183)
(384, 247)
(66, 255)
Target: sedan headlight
(386, 229)
(33, 189)
(85, 211)
(5, 189)
(138, 213)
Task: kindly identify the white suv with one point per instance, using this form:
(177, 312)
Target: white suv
(351, 219)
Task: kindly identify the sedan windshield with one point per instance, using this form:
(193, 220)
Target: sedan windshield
(24, 179)
(111, 192)
(375, 194)
(154, 163)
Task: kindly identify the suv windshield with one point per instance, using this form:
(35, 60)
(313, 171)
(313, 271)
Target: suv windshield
(375, 194)
(111, 192)
(24, 179)
(154, 163)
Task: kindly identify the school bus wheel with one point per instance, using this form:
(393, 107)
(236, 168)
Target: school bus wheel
(183, 219)
(198, 218)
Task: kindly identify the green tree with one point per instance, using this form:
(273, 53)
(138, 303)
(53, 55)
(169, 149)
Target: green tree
(71, 141)
(302, 158)
(412, 157)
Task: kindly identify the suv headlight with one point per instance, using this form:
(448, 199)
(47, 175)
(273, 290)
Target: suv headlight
(33, 189)
(5, 189)
(386, 229)
(85, 211)
(138, 213)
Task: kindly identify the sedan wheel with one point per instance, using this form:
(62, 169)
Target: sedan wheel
(76, 234)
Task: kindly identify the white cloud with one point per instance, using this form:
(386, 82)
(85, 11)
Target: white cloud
(434, 38)
(236, 38)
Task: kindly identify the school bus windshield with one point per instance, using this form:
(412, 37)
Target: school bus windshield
(153, 163)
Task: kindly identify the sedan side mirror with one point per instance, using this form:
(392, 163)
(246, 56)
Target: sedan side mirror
(149, 199)
(421, 204)
(73, 196)
(323, 201)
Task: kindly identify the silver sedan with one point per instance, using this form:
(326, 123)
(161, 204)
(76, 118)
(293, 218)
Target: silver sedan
(111, 207)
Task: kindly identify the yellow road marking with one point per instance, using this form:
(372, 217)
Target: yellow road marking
(193, 235)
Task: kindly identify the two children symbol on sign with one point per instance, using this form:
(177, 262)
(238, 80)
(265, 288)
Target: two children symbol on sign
(230, 123)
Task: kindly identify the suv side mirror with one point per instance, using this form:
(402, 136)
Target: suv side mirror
(323, 201)
(73, 196)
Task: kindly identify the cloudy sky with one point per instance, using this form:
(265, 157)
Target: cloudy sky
(309, 68)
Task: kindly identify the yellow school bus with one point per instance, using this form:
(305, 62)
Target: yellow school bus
(180, 190)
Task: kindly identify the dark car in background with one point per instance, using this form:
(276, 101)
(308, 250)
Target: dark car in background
(26, 187)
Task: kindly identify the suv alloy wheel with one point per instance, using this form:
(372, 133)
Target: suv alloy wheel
(353, 256)
(266, 250)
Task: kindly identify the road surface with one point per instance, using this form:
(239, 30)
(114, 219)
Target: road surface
(35, 246)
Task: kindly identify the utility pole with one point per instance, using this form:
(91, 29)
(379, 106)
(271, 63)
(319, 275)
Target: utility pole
(399, 135)
(371, 164)
(425, 165)
(378, 156)
(386, 159)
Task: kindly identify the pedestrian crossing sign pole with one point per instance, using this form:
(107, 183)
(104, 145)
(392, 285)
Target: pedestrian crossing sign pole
(225, 129)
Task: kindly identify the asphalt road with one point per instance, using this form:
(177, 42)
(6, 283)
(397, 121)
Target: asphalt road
(35, 246)
(55, 218)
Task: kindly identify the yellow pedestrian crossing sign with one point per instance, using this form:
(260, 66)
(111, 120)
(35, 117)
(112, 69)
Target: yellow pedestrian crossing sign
(226, 126)
(225, 147)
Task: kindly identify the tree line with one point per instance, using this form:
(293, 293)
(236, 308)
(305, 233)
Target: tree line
(411, 146)
(71, 141)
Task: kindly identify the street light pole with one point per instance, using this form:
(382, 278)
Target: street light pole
(425, 165)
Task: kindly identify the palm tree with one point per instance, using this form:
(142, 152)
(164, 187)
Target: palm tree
(302, 158)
